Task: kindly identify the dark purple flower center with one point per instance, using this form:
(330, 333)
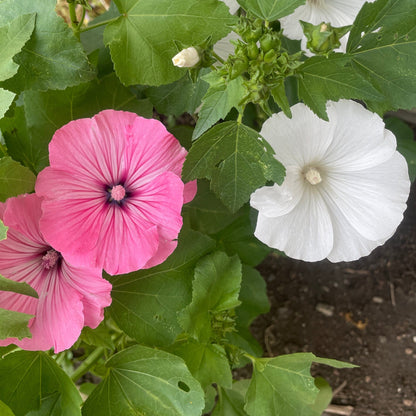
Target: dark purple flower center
(50, 259)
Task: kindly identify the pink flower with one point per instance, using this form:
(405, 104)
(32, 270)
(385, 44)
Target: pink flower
(69, 297)
(113, 192)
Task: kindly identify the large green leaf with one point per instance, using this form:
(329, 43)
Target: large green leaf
(284, 386)
(142, 39)
(15, 179)
(271, 9)
(52, 58)
(383, 48)
(179, 97)
(406, 143)
(28, 378)
(5, 410)
(331, 79)
(29, 131)
(17, 287)
(13, 37)
(208, 363)
(235, 159)
(14, 324)
(6, 99)
(146, 302)
(220, 98)
(215, 291)
(231, 401)
(144, 381)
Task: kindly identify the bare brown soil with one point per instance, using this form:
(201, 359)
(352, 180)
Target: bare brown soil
(363, 312)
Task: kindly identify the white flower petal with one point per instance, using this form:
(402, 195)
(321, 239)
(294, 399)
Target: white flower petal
(274, 201)
(224, 47)
(232, 5)
(304, 233)
(299, 143)
(359, 136)
(372, 200)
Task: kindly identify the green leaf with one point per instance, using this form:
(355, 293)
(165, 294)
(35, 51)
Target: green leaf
(383, 48)
(28, 378)
(238, 238)
(53, 58)
(17, 287)
(3, 231)
(14, 325)
(147, 30)
(182, 96)
(280, 97)
(13, 37)
(254, 302)
(220, 98)
(144, 381)
(206, 213)
(5, 410)
(6, 99)
(215, 290)
(332, 78)
(146, 302)
(208, 363)
(406, 143)
(50, 406)
(29, 132)
(231, 401)
(235, 159)
(283, 385)
(324, 396)
(271, 9)
(98, 337)
(15, 179)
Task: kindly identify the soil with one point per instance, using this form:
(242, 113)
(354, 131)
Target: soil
(363, 312)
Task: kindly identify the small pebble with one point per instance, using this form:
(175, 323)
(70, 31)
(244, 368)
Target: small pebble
(382, 339)
(367, 379)
(408, 351)
(414, 339)
(377, 299)
(407, 402)
(327, 310)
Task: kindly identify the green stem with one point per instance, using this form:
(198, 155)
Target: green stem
(87, 363)
(82, 19)
(218, 58)
(98, 24)
(240, 116)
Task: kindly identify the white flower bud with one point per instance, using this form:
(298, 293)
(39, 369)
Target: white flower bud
(186, 58)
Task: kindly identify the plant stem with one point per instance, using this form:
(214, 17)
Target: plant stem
(82, 19)
(217, 57)
(99, 24)
(87, 363)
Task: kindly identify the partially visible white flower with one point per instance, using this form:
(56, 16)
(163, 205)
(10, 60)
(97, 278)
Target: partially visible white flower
(186, 58)
(232, 5)
(224, 47)
(345, 188)
(337, 12)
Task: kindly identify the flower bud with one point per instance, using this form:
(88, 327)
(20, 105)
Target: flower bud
(186, 58)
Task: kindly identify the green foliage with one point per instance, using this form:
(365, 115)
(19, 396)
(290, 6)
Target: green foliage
(324, 396)
(163, 291)
(220, 98)
(231, 400)
(271, 9)
(46, 61)
(17, 287)
(207, 362)
(142, 39)
(382, 48)
(6, 99)
(332, 78)
(5, 410)
(179, 97)
(235, 159)
(142, 380)
(30, 130)
(99, 337)
(215, 292)
(406, 143)
(15, 179)
(284, 385)
(29, 379)
(3, 231)
(14, 325)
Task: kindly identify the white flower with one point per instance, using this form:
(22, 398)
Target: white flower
(186, 58)
(223, 48)
(232, 5)
(337, 12)
(345, 189)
